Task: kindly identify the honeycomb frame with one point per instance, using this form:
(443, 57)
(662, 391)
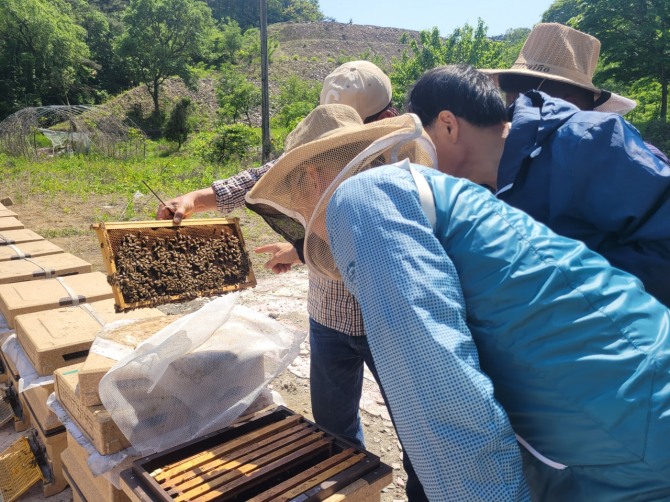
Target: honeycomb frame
(111, 234)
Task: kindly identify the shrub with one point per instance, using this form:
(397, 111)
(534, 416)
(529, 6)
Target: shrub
(235, 141)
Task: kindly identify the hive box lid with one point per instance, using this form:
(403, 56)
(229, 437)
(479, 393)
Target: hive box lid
(10, 223)
(19, 236)
(61, 337)
(28, 250)
(41, 415)
(96, 365)
(34, 296)
(42, 267)
(6, 213)
(94, 421)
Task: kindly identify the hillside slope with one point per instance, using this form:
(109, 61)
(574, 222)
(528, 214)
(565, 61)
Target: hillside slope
(309, 50)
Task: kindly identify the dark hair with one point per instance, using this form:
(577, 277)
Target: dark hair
(461, 89)
(374, 117)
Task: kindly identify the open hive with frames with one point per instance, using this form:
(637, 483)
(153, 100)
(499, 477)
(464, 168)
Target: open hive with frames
(151, 263)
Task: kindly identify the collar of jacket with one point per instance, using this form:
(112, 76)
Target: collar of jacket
(534, 116)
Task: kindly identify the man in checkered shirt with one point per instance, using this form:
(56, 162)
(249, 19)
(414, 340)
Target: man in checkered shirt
(338, 346)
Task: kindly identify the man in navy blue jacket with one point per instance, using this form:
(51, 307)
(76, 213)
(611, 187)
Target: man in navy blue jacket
(587, 175)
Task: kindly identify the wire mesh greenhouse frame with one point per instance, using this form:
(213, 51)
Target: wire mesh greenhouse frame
(82, 129)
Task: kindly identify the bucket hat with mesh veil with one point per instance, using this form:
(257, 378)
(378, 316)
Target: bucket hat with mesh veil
(328, 146)
(557, 52)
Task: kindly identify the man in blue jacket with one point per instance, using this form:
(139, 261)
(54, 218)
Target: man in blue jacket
(486, 325)
(587, 175)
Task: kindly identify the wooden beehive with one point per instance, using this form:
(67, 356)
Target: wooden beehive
(61, 337)
(10, 223)
(93, 488)
(94, 421)
(47, 294)
(28, 250)
(18, 236)
(276, 455)
(152, 263)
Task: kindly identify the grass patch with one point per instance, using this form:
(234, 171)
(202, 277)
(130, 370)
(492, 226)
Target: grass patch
(57, 233)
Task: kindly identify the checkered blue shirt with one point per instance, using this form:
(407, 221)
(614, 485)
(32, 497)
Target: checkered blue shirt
(457, 435)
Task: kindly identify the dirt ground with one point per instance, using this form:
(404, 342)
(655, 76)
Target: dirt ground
(66, 222)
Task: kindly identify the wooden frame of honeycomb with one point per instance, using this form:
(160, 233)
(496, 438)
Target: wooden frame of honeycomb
(152, 263)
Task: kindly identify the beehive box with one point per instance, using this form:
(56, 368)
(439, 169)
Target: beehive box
(96, 365)
(152, 263)
(94, 422)
(19, 236)
(10, 393)
(28, 250)
(52, 447)
(34, 401)
(10, 223)
(6, 213)
(93, 488)
(62, 337)
(48, 294)
(42, 267)
(275, 455)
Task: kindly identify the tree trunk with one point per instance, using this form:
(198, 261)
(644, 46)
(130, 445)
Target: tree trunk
(154, 96)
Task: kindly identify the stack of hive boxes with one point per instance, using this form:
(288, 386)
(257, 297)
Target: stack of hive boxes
(52, 306)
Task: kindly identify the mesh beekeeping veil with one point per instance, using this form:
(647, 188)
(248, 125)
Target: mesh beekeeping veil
(330, 145)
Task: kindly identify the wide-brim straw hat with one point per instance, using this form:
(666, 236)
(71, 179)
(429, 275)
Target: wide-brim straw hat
(557, 52)
(330, 140)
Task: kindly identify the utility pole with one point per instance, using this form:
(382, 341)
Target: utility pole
(265, 94)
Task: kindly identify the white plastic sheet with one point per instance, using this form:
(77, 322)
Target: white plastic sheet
(197, 375)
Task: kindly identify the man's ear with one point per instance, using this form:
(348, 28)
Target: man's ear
(448, 123)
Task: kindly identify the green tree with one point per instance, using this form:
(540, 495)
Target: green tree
(247, 12)
(237, 96)
(162, 38)
(296, 99)
(108, 75)
(635, 38)
(178, 127)
(561, 11)
(467, 44)
(42, 54)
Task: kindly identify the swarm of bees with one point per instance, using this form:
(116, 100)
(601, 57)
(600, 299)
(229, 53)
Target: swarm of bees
(154, 270)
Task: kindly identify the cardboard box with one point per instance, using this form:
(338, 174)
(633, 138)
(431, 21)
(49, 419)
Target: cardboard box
(35, 296)
(93, 488)
(61, 337)
(19, 236)
(28, 250)
(95, 366)
(94, 421)
(42, 267)
(10, 223)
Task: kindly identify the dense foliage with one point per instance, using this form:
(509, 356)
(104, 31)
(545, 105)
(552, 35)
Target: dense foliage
(85, 51)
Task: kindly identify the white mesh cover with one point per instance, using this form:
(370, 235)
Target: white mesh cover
(196, 375)
(407, 144)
